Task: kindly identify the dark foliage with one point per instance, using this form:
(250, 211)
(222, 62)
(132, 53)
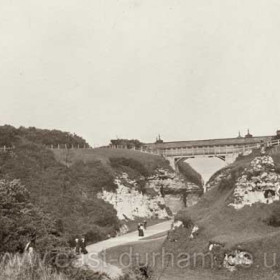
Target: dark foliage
(10, 136)
(131, 163)
(68, 193)
(20, 221)
(139, 271)
(229, 181)
(184, 218)
(274, 217)
(276, 158)
(129, 144)
(189, 173)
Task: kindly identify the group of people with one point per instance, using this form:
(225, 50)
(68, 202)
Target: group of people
(141, 228)
(80, 246)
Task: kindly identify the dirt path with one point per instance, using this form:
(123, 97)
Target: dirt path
(94, 262)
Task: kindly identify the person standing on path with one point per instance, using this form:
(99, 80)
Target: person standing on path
(141, 230)
(77, 246)
(145, 224)
(83, 246)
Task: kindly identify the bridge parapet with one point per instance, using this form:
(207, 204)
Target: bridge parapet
(219, 151)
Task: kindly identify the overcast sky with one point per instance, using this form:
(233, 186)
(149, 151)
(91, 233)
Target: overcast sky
(187, 69)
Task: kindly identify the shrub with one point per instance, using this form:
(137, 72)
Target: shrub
(134, 143)
(69, 193)
(184, 218)
(139, 272)
(131, 163)
(20, 220)
(93, 236)
(229, 181)
(274, 218)
(10, 135)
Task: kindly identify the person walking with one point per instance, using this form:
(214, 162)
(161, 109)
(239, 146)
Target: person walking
(83, 246)
(141, 230)
(145, 224)
(77, 246)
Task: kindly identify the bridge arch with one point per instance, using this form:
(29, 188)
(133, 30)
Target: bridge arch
(205, 166)
(174, 160)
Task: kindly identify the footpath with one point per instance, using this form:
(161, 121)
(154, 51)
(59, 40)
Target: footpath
(94, 262)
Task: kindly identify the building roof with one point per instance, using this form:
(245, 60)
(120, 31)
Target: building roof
(208, 142)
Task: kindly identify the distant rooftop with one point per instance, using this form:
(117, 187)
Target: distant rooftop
(210, 142)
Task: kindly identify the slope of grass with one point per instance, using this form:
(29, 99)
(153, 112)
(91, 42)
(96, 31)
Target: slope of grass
(65, 184)
(68, 193)
(190, 174)
(150, 162)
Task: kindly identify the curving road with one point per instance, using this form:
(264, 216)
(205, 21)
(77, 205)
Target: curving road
(94, 262)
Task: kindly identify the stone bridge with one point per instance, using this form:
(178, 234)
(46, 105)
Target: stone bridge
(226, 149)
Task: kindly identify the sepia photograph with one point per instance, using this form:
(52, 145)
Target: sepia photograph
(140, 140)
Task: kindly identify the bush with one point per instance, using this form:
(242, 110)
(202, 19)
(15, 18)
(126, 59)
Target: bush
(274, 218)
(69, 193)
(134, 143)
(184, 218)
(229, 182)
(93, 236)
(139, 272)
(10, 135)
(131, 163)
(20, 220)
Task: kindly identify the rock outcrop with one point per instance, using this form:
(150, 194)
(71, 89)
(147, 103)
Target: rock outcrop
(164, 194)
(130, 203)
(258, 183)
(237, 258)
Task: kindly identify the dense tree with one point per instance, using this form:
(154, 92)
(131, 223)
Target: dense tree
(20, 220)
(10, 136)
(68, 193)
(129, 144)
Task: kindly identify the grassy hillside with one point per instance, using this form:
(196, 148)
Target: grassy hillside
(71, 156)
(247, 229)
(190, 174)
(69, 191)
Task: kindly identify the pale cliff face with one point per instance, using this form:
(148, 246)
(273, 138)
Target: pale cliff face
(130, 203)
(258, 183)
